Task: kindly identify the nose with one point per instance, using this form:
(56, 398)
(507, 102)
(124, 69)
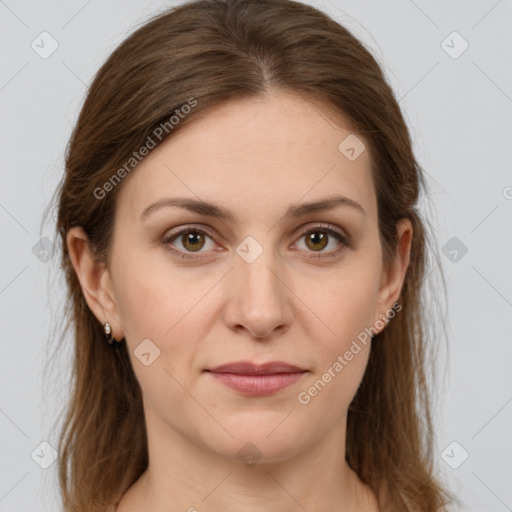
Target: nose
(259, 300)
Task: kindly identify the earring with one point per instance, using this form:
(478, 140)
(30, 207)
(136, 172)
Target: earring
(108, 333)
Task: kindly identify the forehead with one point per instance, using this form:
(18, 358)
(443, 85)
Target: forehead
(256, 154)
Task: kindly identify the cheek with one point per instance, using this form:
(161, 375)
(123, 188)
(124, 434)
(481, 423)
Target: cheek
(165, 307)
(150, 298)
(152, 305)
(344, 305)
(325, 398)
(340, 356)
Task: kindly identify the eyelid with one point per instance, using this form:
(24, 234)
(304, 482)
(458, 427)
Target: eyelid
(326, 226)
(331, 229)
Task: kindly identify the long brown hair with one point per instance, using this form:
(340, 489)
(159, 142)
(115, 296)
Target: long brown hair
(215, 51)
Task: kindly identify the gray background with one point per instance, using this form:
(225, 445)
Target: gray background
(458, 108)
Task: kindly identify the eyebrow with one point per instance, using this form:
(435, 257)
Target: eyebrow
(213, 210)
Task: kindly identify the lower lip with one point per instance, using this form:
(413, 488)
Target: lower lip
(258, 384)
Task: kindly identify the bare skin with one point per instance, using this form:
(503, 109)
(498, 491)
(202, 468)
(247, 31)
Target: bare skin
(298, 302)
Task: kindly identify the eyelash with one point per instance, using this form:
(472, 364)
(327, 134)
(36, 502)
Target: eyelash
(327, 228)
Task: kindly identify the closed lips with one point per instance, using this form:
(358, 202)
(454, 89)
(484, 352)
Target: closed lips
(252, 379)
(248, 368)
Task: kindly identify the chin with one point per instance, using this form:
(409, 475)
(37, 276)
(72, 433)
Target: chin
(262, 438)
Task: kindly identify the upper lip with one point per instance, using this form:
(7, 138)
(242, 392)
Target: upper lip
(248, 368)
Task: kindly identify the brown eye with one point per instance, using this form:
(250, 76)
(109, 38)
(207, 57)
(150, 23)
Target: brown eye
(193, 240)
(317, 240)
(320, 237)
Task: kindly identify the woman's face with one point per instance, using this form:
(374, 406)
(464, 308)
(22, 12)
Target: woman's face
(270, 280)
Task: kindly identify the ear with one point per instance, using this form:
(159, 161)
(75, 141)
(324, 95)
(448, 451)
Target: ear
(94, 280)
(393, 276)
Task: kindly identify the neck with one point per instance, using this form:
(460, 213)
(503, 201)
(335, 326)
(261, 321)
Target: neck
(184, 475)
